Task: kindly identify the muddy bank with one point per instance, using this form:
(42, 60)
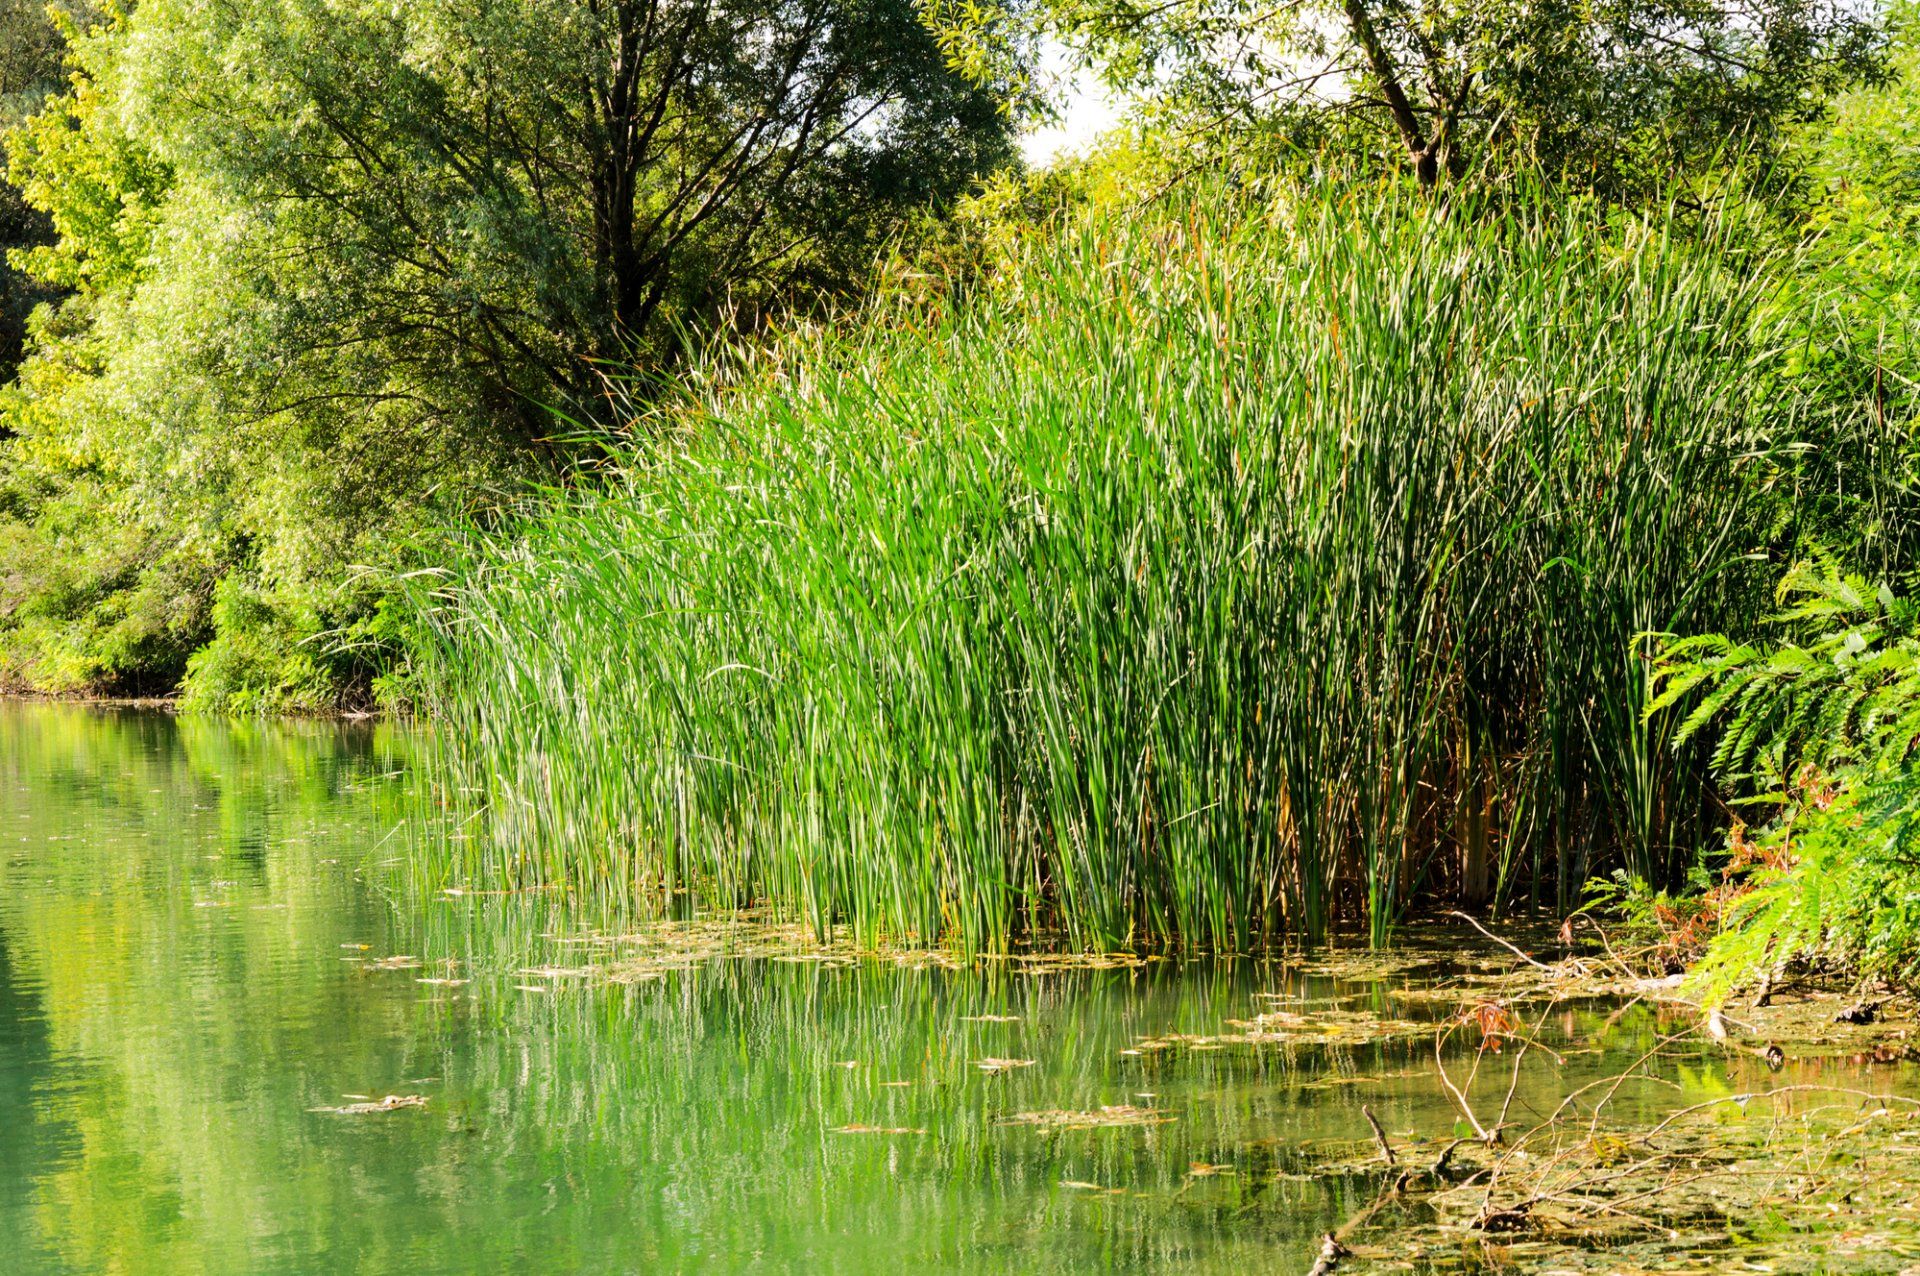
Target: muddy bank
(1808, 1160)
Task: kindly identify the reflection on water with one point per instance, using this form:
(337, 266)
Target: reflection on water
(194, 955)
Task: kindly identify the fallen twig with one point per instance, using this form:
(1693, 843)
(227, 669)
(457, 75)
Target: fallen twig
(1331, 1252)
(1526, 957)
(1379, 1135)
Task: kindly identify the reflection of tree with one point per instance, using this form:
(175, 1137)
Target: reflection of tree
(173, 902)
(29, 1140)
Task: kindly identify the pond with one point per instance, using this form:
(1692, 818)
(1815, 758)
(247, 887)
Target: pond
(232, 1041)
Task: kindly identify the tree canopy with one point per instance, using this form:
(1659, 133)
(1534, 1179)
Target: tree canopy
(320, 259)
(1617, 94)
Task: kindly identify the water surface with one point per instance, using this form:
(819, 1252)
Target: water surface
(198, 949)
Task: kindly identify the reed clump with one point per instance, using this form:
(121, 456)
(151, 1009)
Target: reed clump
(1233, 568)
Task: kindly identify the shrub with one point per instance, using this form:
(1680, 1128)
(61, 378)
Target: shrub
(1822, 725)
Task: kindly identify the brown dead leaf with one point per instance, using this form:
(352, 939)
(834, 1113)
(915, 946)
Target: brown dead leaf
(392, 1103)
(1001, 1065)
(1107, 1117)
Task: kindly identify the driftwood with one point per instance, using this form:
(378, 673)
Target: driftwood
(1331, 1252)
(1333, 1245)
(1566, 1169)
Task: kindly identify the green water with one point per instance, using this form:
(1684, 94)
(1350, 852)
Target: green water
(191, 919)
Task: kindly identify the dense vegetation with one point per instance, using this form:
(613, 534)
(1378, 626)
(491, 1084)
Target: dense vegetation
(1823, 727)
(1198, 574)
(327, 268)
(1296, 510)
(1813, 705)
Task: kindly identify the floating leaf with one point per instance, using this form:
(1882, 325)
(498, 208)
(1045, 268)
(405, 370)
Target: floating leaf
(1002, 1065)
(1119, 1114)
(392, 1103)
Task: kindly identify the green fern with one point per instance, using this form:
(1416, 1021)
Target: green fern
(1824, 725)
(1846, 898)
(1843, 691)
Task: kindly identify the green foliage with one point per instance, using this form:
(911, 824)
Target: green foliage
(328, 266)
(1820, 726)
(107, 616)
(31, 66)
(1634, 901)
(1186, 576)
(1845, 693)
(264, 658)
(1619, 96)
(1842, 896)
(1825, 725)
(1856, 291)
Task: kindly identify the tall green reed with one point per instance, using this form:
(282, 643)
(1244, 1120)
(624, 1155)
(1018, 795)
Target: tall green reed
(1190, 578)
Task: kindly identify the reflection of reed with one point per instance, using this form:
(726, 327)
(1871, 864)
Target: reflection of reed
(687, 1121)
(806, 1049)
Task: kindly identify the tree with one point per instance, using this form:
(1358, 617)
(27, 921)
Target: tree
(518, 186)
(327, 260)
(1619, 93)
(30, 69)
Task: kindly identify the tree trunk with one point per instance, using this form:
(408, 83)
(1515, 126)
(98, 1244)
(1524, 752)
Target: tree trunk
(1426, 159)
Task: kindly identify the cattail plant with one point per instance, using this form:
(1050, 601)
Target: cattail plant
(1184, 579)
